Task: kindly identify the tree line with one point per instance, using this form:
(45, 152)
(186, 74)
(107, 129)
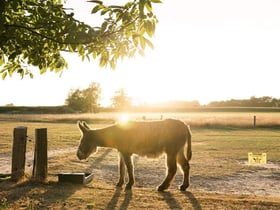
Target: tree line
(265, 101)
(88, 100)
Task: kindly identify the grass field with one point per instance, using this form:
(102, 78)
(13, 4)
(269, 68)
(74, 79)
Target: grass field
(221, 142)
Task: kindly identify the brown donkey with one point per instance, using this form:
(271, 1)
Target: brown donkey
(150, 139)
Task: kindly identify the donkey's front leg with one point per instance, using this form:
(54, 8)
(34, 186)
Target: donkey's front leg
(130, 170)
(121, 171)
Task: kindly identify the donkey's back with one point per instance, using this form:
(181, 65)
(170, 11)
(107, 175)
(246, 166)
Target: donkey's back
(149, 138)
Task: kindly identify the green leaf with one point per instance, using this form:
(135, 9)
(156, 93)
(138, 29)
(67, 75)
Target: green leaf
(102, 62)
(149, 27)
(21, 72)
(148, 6)
(71, 48)
(148, 42)
(105, 10)
(142, 42)
(7, 19)
(112, 64)
(135, 39)
(156, 1)
(46, 45)
(31, 75)
(104, 26)
(43, 70)
(4, 75)
(141, 52)
(95, 1)
(81, 49)
(58, 65)
(116, 7)
(2, 59)
(94, 54)
(96, 8)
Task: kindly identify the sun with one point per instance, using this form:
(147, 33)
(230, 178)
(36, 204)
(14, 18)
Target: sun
(123, 118)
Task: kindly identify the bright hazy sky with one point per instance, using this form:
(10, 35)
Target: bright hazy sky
(205, 50)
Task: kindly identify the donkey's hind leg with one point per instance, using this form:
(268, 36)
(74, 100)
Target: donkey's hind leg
(121, 171)
(185, 166)
(130, 170)
(171, 171)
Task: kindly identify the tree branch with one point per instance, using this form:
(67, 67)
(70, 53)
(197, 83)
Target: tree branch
(44, 36)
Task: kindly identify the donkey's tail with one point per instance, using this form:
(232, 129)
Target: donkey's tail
(189, 143)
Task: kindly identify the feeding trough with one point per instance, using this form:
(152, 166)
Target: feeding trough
(76, 178)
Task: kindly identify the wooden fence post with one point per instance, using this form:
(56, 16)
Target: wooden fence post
(18, 153)
(40, 167)
(255, 121)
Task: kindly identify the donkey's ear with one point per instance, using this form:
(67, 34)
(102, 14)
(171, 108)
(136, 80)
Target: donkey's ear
(86, 125)
(82, 127)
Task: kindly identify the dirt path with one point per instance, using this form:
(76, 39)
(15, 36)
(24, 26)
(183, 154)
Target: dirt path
(263, 180)
(259, 182)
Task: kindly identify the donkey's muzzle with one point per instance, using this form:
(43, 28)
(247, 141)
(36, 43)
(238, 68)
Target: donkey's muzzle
(81, 155)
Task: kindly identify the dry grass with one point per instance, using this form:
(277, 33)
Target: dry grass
(61, 135)
(63, 131)
(239, 119)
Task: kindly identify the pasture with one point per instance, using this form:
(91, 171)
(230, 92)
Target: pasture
(220, 175)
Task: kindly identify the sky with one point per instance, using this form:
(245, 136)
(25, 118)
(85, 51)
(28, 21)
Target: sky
(205, 50)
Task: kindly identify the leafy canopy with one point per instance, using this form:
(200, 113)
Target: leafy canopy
(36, 32)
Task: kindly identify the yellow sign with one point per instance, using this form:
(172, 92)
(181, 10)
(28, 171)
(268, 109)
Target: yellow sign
(257, 158)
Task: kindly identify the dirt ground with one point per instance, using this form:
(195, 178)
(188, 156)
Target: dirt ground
(262, 180)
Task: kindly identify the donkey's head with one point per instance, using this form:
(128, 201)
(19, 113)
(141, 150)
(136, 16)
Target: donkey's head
(87, 144)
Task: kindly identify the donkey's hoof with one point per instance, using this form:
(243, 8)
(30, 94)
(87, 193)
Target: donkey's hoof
(161, 188)
(128, 187)
(119, 184)
(183, 187)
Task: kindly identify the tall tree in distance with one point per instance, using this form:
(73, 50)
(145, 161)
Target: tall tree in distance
(75, 100)
(35, 32)
(86, 100)
(120, 100)
(92, 96)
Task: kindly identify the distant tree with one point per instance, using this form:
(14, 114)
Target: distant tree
(276, 102)
(266, 101)
(35, 32)
(92, 96)
(9, 105)
(120, 100)
(254, 101)
(75, 100)
(84, 100)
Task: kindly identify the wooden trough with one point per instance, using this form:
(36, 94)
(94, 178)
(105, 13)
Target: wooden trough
(76, 178)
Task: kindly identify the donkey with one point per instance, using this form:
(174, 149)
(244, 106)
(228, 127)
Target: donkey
(150, 139)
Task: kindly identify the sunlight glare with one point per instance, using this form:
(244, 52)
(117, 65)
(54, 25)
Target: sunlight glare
(124, 118)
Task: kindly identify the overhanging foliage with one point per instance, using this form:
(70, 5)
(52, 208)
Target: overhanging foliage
(34, 33)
